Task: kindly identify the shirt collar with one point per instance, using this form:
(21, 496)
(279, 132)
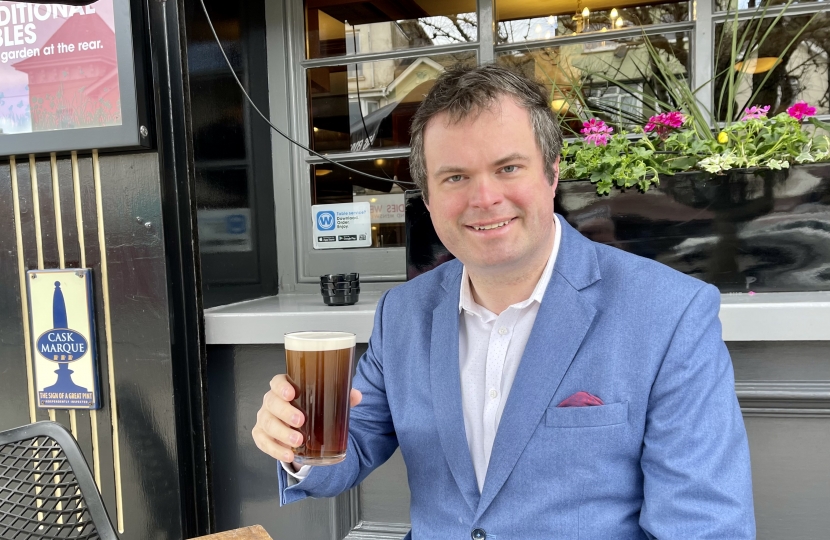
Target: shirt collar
(466, 302)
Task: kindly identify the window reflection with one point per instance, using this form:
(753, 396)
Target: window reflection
(773, 74)
(382, 25)
(731, 5)
(613, 79)
(233, 185)
(390, 92)
(332, 185)
(520, 21)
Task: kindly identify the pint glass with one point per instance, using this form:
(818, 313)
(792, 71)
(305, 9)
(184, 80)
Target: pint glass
(319, 366)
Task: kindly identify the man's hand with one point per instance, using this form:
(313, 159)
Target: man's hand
(273, 432)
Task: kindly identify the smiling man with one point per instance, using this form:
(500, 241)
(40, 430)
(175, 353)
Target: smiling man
(541, 385)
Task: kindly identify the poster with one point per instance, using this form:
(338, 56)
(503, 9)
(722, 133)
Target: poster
(58, 67)
(63, 339)
(345, 225)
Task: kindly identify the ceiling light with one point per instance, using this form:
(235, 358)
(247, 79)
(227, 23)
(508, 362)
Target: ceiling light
(757, 65)
(560, 106)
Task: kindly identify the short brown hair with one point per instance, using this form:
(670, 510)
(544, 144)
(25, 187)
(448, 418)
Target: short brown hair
(464, 91)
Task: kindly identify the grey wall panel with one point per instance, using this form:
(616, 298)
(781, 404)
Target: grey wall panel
(244, 478)
(780, 360)
(791, 476)
(384, 495)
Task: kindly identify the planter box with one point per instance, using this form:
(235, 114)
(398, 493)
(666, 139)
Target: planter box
(748, 230)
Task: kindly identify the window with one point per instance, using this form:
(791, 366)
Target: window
(358, 98)
(389, 26)
(397, 85)
(791, 64)
(578, 76)
(520, 22)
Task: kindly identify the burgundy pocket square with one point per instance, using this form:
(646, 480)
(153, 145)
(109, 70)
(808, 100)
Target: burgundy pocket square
(581, 399)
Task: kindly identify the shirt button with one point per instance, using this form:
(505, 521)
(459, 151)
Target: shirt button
(493, 393)
(503, 331)
(478, 534)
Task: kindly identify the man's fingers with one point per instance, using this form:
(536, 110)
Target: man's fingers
(277, 430)
(282, 409)
(355, 397)
(268, 445)
(282, 388)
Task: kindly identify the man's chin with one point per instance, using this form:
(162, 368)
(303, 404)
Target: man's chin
(492, 263)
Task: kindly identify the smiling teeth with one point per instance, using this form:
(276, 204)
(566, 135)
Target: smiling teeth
(493, 226)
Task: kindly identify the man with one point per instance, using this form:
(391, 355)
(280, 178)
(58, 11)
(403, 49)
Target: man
(541, 385)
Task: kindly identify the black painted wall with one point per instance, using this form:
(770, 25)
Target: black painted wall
(135, 350)
(152, 429)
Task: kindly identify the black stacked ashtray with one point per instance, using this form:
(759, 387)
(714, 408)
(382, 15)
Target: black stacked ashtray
(340, 289)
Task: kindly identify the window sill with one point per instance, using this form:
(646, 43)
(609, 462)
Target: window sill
(802, 316)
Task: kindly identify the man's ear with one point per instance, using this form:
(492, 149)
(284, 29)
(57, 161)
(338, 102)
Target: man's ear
(555, 168)
(424, 198)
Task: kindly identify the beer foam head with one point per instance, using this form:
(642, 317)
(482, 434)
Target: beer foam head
(319, 341)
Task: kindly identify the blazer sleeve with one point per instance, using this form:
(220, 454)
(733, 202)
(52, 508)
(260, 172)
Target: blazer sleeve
(696, 472)
(372, 438)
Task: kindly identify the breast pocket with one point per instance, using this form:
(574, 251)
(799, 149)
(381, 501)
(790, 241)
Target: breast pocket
(579, 417)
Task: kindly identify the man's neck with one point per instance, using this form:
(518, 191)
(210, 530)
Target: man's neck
(497, 292)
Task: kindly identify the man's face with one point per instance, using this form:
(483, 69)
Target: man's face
(489, 198)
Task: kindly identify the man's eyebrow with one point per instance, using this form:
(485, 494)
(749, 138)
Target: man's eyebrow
(515, 156)
(449, 169)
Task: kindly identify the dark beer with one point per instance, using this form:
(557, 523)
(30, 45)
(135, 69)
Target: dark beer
(320, 366)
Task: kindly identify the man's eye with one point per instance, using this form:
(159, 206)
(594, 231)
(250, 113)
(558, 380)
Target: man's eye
(510, 168)
(455, 178)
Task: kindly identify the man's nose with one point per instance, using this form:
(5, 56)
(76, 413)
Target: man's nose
(485, 192)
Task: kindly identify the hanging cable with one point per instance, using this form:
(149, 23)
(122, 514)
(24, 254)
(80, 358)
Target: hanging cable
(275, 128)
(357, 89)
(357, 85)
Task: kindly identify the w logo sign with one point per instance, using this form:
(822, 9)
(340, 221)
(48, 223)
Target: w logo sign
(325, 220)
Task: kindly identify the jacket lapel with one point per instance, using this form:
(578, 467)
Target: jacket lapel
(561, 324)
(445, 380)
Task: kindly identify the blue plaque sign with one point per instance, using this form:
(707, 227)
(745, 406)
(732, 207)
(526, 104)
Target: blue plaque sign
(63, 339)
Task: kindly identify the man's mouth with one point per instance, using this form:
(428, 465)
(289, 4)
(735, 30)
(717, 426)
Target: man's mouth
(491, 225)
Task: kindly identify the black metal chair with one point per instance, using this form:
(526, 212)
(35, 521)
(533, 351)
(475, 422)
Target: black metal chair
(46, 488)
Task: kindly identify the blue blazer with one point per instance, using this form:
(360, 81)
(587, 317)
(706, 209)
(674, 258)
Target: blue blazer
(665, 457)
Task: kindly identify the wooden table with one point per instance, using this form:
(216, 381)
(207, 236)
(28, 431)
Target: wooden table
(255, 532)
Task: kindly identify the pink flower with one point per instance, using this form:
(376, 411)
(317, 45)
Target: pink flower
(596, 131)
(663, 123)
(801, 110)
(755, 112)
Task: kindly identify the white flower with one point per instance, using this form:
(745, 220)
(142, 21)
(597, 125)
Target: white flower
(805, 156)
(778, 165)
(718, 162)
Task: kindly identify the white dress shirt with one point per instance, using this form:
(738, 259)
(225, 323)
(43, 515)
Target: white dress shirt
(490, 348)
